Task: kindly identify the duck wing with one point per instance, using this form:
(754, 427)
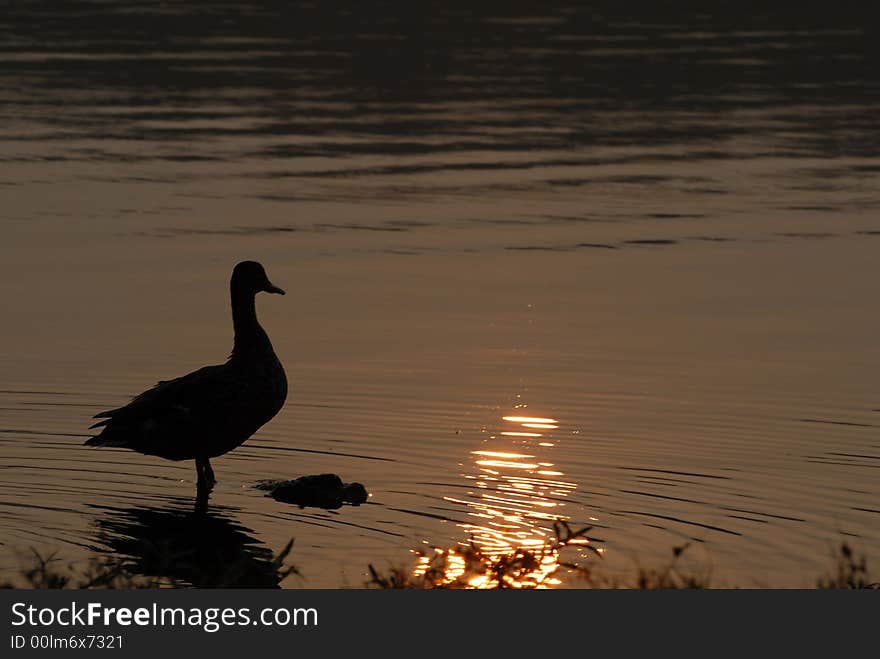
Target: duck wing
(167, 419)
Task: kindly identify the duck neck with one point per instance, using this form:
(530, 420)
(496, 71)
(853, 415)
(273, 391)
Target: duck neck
(250, 338)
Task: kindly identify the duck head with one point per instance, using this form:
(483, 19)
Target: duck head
(250, 277)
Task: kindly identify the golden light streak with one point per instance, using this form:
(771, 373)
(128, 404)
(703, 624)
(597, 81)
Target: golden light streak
(500, 454)
(503, 464)
(528, 419)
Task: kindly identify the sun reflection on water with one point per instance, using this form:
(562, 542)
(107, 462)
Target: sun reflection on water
(518, 493)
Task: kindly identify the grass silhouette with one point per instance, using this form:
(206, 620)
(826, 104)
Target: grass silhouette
(462, 567)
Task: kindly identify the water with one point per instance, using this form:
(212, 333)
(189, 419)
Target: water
(655, 231)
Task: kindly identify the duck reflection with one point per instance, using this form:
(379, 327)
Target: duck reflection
(180, 547)
(518, 493)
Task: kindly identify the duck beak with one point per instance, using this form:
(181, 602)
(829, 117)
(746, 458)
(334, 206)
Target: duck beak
(271, 288)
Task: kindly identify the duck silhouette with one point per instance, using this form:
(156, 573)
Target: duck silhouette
(213, 410)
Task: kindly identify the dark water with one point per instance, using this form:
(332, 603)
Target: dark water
(655, 230)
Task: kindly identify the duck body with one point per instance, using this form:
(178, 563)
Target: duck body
(203, 414)
(214, 409)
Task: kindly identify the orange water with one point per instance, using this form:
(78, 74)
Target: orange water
(661, 235)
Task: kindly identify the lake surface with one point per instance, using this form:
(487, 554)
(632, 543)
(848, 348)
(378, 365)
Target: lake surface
(651, 240)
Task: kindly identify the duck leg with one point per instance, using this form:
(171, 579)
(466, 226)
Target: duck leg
(201, 501)
(205, 474)
(209, 474)
(203, 490)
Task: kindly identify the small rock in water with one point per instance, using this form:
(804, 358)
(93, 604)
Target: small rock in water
(319, 491)
(355, 494)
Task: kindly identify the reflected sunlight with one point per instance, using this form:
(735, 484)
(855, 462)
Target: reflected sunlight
(517, 496)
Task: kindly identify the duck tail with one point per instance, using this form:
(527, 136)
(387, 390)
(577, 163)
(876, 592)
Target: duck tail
(107, 436)
(104, 440)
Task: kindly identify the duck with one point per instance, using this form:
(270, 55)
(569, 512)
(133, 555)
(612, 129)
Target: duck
(215, 409)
